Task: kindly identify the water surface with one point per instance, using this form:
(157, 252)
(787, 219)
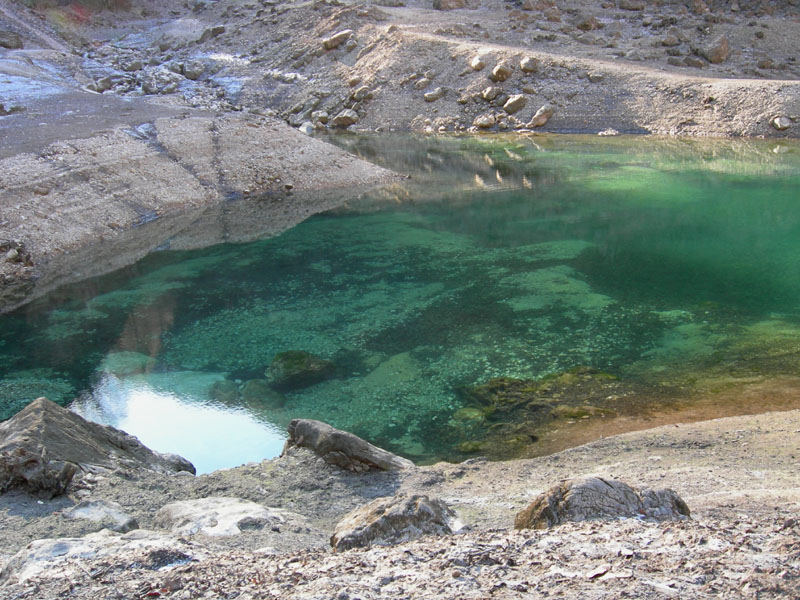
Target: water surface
(586, 281)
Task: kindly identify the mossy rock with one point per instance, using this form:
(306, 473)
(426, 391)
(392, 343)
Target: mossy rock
(564, 411)
(260, 393)
(471, 447)
(469, 413)
(297, 369)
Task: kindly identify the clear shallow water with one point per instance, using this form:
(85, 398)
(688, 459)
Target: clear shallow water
(629, 274)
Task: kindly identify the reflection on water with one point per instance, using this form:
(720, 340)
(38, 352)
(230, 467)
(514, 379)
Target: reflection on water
(172, 412)
(515, 296)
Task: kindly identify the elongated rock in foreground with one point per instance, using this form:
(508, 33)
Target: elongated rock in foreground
(587, 498)
(341, 448)
(43, 446)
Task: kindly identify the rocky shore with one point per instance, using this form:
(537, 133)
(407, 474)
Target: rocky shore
(136, 529)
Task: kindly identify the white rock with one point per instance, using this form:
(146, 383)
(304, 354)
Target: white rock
(781, 123)
(109, 514)
(218, 516)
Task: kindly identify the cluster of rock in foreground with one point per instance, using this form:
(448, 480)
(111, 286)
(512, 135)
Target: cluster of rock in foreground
(45, 447)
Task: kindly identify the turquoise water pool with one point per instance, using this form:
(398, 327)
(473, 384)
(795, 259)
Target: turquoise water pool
(580, 278)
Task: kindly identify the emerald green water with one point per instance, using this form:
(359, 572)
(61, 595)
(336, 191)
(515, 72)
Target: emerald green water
(658, 264)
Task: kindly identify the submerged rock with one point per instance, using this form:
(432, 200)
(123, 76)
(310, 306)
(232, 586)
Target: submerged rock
(341, 448)
(44, 445)
(224, 391)
(297, 369)
(393, 520)
(587, 498)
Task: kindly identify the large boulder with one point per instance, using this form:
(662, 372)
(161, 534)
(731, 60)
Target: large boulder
(44, 445)
(588, 498)
(217, 516)
(297, 369)
(394, 520)
(341, 448)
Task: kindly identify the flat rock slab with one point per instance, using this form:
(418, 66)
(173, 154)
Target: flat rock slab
(389, 521)
(59, 556)
(588, 498)
(342, 448)
(108, 515)
(216, 516)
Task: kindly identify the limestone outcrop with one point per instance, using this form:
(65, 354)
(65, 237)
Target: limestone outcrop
(44, 446)
(388, 521)
(588, 498)
(342, 448)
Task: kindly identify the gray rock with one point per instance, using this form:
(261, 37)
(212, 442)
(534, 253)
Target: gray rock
(61, 555)
(193, 69)
(670, 41)
(161, 81)
(780, 123)
(515, 103)
(587, 498)
(542, 116)
(490, 93)
(103, 84)
(501, 72)
(132, 64)
(393, 520)
(337, 39)
(693, 61)
(477, 63)
(10, 40)
(306, 127)
(211, 32)
(484, 121)
(217, 516)
(320, 116)
(362, 93)
(631, 4)
(109, 515)
(43, 445)
(449, 4)
(529, 64)
(718, 51)
(345, 118)
(434, 95)
(342, 448)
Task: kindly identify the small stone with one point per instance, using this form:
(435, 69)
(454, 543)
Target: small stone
(631, 4)
(765, 63)
(41, 190)
(10, 40)
(13, 256)
(501, 72)
(484, 121)
(193, 69)
(542, 116)
(693, 61)
(490, 93)
(670, 41)
(595, 77)
(588, 24)
(515, 103)
(780, 123)
(320, 116)
(434, 95)
(104, 84)
(449, 4)
(362, 93)
(210, 32)
(354, 80)
(422, 83)
(132, 65)
(337, 39)
(345, 118)
(477, 63)
(608, 132)
(529, 89)
(529, 64)
(718, 51)
(675, 61)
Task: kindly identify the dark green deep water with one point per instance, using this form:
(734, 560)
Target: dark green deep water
(652, 261)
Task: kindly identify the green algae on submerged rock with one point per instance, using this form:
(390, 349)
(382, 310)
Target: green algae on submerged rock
(298, 369)
(259, 391)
